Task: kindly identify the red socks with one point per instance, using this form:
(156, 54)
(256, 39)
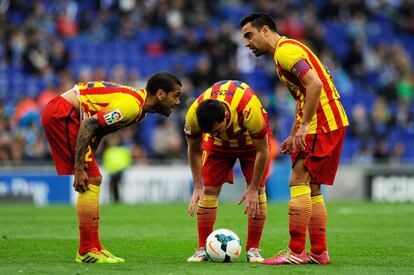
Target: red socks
(206, 217)
(87, 207)
(299, 210)
(256, 224)
(317, 225)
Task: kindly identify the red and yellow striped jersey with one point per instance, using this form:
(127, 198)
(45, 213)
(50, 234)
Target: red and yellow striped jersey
(248, 119)
(114, 104)
(330, 114)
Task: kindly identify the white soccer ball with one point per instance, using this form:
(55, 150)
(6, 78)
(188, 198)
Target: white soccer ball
(223, 246)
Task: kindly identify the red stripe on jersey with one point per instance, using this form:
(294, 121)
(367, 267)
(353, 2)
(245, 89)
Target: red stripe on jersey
(248, 94)
(320, 116)
(336, 113)
(292, 78)
(215, 90)
(101, 119)
(200, 99)
(230, 92)
(106, 90)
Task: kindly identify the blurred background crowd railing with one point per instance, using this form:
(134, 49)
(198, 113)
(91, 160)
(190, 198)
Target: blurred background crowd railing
(48, 46)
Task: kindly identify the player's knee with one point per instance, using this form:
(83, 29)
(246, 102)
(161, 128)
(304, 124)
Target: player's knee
(211, 191)
(300, 175)
(315, 189)
(262, 208)
(95, 180)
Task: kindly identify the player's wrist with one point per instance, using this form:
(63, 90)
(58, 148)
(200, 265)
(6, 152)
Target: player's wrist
(253, 188)
(79, 168)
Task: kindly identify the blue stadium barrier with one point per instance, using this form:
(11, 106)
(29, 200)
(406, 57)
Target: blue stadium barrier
(277, 187)
(43, 187)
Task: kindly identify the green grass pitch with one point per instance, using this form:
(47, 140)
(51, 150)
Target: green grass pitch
(364, 238)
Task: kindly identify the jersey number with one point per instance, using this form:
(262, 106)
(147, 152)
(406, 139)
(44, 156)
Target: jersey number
(88, 155)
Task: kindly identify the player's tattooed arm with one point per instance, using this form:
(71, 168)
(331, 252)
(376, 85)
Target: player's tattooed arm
(88, 129)
(96, 140)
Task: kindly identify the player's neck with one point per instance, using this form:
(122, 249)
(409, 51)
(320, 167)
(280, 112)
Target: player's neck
(272, 42)
(149, 104)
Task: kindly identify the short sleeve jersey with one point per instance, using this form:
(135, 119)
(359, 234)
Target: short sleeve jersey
(330, 114)
(248, 119)
(114, 104)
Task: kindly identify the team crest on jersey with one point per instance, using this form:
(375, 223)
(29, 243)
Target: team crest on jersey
(113, 117)
(187, 129)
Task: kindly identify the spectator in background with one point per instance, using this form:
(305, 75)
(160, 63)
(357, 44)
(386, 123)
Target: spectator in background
(166, 141)
(397, 153)
(381, 150)
(59, 56)
(364, 154)
(30, 29)
(116, 159)
(361, 126)
(380, 117)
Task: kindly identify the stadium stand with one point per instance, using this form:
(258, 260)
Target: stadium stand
(47, 46)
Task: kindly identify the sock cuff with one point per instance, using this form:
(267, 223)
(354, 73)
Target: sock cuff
(94, 188)
(208, 202)
(317, 198)
(262, 198)
(299, 190)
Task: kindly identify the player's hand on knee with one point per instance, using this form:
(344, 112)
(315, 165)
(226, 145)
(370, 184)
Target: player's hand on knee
(80, 183)
(252, 202)
(195, 198)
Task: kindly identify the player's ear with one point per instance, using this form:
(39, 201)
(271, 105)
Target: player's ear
(226, 114)
(160, 94)
(266, 30)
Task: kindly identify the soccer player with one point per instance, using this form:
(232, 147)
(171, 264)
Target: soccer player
(316, 138)
(227, 122)
(75, 122)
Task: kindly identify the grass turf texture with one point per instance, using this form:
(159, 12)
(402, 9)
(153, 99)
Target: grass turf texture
(364, 238)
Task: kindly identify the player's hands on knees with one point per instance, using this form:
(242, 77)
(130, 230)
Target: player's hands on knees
(252, 202)
(299, 139)
(80, 183)
(287, 146)
(197, 196)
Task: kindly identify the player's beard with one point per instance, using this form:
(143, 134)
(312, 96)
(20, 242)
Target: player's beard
(162, 109)
(257, 52)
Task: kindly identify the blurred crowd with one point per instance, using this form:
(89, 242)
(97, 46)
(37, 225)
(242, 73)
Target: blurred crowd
(48, 46)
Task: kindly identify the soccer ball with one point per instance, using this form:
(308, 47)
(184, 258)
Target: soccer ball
(223, 246)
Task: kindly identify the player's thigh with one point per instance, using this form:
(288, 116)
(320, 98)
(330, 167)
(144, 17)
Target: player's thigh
(300, 175)
(247, 163)
(217, 168)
